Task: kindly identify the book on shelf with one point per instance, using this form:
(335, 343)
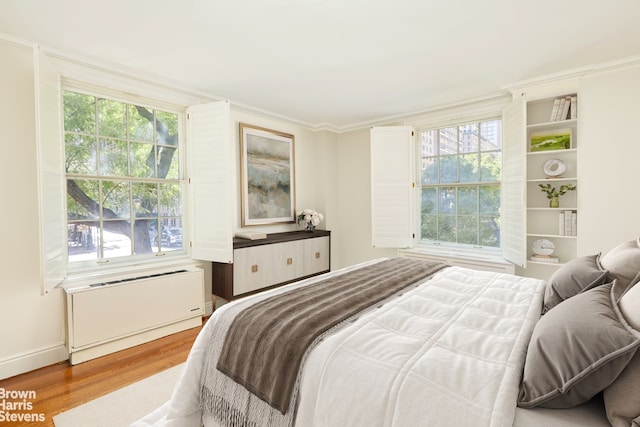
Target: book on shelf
(545, 258)
(564, 108)
(554, 110)
(563, 101)
(568, 223)
(250, 236)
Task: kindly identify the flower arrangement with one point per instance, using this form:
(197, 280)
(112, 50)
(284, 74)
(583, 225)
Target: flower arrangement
(553, 193)
(309, 219)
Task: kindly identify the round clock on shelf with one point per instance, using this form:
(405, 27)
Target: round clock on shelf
(554, 168)
(543, 247)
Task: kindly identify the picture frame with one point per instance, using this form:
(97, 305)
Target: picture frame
(267, 160)
(550, 140)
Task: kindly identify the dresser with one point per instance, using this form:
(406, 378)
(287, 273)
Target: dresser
(279, 259)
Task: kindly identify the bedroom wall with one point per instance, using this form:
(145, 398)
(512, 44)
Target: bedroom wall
(609, 153)
(33, 326)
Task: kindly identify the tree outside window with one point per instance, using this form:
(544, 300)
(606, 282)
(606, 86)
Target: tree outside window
(123, 179)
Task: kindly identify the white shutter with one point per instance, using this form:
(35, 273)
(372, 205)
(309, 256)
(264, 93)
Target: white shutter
(51, 180)
(514, 218)
(392, 186)
(211, 172)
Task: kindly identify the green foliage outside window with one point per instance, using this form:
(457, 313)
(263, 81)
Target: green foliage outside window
(123, 178)
(460, 184)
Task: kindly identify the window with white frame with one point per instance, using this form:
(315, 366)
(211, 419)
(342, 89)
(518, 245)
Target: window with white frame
(460, 176)
(124, 179)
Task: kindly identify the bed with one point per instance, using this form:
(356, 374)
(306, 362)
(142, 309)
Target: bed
(456, 347)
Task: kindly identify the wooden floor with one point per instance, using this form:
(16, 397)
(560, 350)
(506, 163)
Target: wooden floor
(61, 387)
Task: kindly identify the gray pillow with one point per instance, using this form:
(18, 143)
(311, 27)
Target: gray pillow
(623, 262)
(577, 349)
(577, 276)
(622, 398)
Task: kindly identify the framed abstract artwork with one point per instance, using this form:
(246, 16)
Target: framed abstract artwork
(267, 175)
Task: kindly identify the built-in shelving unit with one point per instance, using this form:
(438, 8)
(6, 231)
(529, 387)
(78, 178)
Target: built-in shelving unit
(543, 221)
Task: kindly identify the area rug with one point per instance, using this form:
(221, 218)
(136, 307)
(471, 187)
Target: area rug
(124, 406)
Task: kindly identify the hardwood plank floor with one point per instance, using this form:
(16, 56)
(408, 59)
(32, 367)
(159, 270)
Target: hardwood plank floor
(61, 387)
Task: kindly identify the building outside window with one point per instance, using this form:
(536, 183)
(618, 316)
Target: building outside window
(460, 175)
(124, 180)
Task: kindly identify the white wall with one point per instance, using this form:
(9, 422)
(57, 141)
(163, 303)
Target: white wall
(354, 198)
(32, 331)
(609, 157)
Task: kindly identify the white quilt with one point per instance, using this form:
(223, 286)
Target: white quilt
(449, 352)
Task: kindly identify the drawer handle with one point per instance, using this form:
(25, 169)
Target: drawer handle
(289, 261)
(317, 255)
(254, 268)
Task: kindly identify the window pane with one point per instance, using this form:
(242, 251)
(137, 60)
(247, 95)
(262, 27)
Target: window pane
(429, 228)
(116, 197)
(111, 118)
(490, 231)
(80, 154)
(143, 160)
(491, 135)
(81, 189)
(429, 200)
(169, 166)
(491, 167)
(489, 200)
(469, 138)
(429, 170)
(447, 199)
(467, 200)
(468, 230)
(170, 200)
(469, 168)
(448, 169)
(83, 241)
(447, 228)
(167, 128)
(113, 158)
(448, 141)
(170, 235)
(140, 123)
(429, 143)
(79, 113)
(145, 199)
(116, 241)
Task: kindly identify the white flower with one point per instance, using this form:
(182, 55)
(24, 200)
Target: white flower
(309, 216)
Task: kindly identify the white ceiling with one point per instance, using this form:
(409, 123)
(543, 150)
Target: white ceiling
(333, 64)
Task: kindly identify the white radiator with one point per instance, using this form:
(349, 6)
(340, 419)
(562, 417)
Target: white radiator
(106, 317)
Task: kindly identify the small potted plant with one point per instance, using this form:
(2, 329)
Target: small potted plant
(553, 194)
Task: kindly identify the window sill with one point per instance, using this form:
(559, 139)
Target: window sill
(470, 259)
(124, 272)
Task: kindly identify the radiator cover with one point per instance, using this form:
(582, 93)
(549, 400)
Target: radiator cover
(107, 317)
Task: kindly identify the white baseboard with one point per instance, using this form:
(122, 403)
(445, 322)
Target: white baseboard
(35, 360)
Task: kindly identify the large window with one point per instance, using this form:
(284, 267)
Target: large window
(123, 180)
(461, 169)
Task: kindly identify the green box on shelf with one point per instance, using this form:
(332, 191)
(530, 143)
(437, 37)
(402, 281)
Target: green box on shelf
(559, 139)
